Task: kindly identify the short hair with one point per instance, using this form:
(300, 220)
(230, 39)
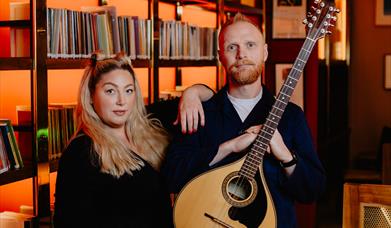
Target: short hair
(148, 136)
(237, 18)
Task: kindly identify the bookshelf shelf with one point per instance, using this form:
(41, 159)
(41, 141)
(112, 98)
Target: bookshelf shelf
(16, 23)
(211, 6)
(16, 63)
(82, 63)
(16, 175)
(186, 63)
(23, 128)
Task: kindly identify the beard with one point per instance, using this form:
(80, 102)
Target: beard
(246, 76)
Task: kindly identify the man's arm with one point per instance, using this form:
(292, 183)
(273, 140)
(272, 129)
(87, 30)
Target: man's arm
(190, 110)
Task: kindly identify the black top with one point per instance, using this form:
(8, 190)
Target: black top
(86, 197)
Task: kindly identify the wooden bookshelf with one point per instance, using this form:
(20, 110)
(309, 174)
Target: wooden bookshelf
(228, 6)
(186, 63)
(16, 63)
(82, 63)
(17, 175)
(16, 23)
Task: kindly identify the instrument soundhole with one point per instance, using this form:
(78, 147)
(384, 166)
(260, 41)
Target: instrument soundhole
(239, 191)
(239, 188)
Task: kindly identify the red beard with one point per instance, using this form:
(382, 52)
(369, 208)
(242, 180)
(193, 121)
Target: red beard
(245, 76)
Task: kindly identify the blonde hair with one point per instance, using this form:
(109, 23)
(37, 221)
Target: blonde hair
(148, 135)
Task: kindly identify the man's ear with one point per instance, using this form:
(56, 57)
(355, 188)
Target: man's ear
(265, 53)
(221, 56)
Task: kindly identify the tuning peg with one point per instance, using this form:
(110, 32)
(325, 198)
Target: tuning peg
(328, 32)
(317, 1)
(318, 11)
(310, 25)
(305, 21)
(322, 4)
(314, 18)
(313, 8)
(336, 10)
(334, 18)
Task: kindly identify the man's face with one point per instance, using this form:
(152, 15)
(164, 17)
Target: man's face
(242, 52)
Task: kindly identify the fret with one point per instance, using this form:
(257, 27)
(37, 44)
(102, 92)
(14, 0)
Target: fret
(274, 116)
(248, 167)
(272, 121)
(290, 87)
(271, 129)
(264, 145)
(253, 159)
(297, 69)
(306, 50)
(278, 109)
(246, 174)
(301, 60)
(266, 139)
(283, 102)
(284, 94)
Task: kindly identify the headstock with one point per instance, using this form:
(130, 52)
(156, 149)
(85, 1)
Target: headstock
(321, 17)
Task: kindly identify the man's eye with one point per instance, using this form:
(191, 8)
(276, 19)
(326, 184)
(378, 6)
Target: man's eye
(250, 45)
(231, 47)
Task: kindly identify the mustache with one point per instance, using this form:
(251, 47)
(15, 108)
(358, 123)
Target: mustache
(242, 62)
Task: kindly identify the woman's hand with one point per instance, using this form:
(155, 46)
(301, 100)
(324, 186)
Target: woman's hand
(190, 110)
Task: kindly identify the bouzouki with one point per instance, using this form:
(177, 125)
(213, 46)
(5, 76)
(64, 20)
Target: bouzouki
(236, 195)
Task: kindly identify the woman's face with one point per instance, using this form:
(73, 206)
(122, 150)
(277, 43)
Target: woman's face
(114, 97)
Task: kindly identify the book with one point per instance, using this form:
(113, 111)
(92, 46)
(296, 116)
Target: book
(23, 114)
(4, 162)
(11, 146)
(18, 36)
(10, 219)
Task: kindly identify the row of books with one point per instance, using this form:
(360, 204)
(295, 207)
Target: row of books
(77, 34)
(61, 126)
(10, 157)
(181, 40)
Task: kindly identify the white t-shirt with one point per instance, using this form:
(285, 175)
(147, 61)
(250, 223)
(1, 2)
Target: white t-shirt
(244, 106)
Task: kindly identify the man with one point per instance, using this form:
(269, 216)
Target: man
(233, 117)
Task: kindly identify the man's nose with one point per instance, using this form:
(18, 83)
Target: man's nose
(241, 53)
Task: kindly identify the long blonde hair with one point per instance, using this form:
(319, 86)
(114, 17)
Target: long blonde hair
(148, 135)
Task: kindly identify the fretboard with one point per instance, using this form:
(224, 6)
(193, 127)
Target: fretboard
(261, 143)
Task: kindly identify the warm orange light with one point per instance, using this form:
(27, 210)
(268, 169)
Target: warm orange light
(72, 5)
(198, 16)
(13, 195)
(204, 75)
(14, 91)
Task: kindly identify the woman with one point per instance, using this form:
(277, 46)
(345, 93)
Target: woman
(108, 174)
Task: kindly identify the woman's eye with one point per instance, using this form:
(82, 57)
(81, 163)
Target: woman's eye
(129, 91)
(109, 91)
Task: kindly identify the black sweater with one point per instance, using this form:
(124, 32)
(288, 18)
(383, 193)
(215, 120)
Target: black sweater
(86, 197)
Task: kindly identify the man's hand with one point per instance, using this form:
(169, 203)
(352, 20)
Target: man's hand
(190, 110)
